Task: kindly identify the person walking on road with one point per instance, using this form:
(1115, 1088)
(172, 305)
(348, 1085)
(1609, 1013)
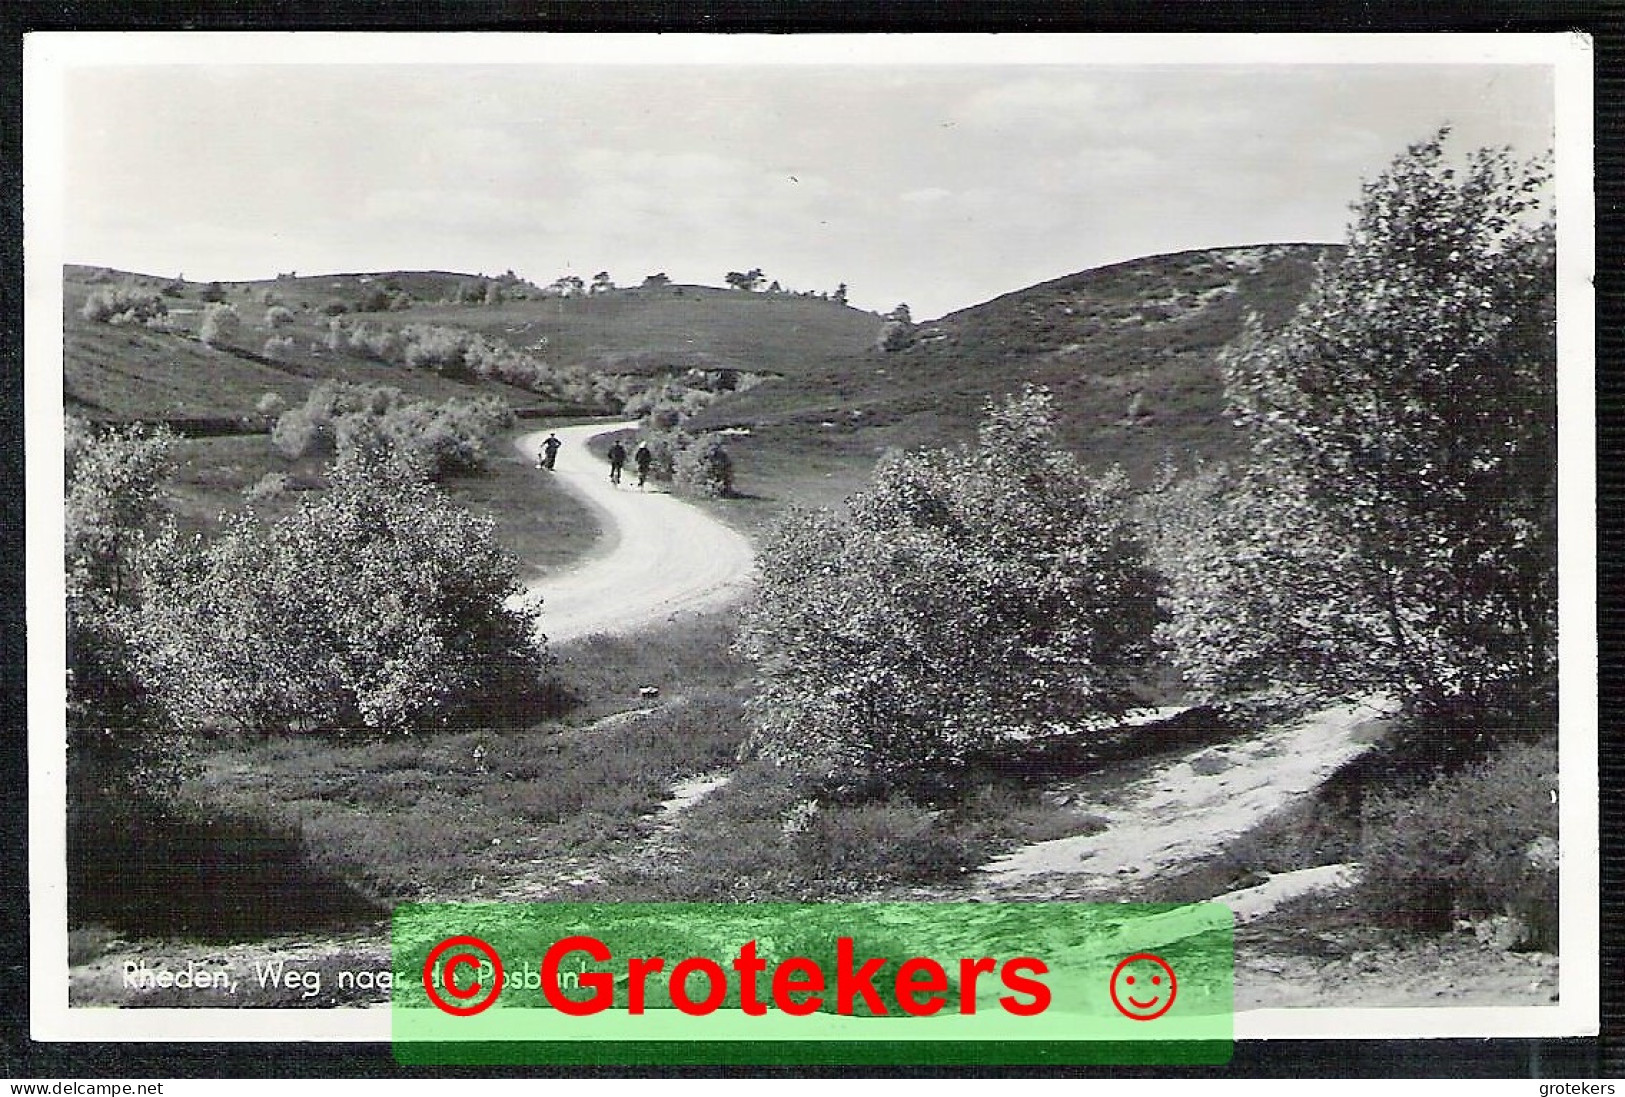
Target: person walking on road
(643, 458)
(549, 452)
(617, 460)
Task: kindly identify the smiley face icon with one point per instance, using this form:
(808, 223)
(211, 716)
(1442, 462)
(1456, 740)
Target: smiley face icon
(1143, 987)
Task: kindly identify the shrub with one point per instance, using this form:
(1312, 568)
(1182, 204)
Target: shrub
(1475, 844)
(123, 304)
(380, 605)
(270, 403)
(301, 433)
(278, 316)
(279, 346)
(895, 336)
(221, 325)
(380, 343)
(968, 598)
(273, 485)
(441, 349)
(704, 468)
(423, 439)
(335, 308)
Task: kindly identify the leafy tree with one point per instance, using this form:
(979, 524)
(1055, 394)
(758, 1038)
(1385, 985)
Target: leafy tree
(1263, 593)
(214, 293)
(968, 597)
(748, 281)
(1405, 426)
(656, 281)
(569, 286)
(121, 751)
(493, 293)
(901, 314)
(840, 294)
(113, 481)
(601, 283)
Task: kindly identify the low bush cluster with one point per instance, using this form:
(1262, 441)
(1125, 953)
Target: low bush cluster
(279, 346)
(887, 841)
(467, 355)
(123, 305)
(1480, 843)
(426, 439)
(705, 469)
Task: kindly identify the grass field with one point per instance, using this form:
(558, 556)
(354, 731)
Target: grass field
(544, 525)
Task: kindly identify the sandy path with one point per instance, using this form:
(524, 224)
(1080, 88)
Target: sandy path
(1188, 811)
(659, 556)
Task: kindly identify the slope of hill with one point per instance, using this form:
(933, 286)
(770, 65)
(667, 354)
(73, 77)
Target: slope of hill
(1129, 350)
(648, 331)
(137, 371)
(120, 371)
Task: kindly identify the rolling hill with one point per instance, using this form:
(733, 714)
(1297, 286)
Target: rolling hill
(136, 371)
(1129, 350)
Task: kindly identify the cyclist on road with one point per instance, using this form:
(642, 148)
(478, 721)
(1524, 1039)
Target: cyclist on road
(549, 452)
(643, 458)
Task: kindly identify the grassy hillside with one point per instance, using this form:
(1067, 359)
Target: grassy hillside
(134, 371)
(1129, 350)
(645, 331)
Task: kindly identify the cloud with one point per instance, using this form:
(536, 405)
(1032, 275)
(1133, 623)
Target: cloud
(1050, 102)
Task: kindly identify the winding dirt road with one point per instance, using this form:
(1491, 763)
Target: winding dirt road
(658, 558)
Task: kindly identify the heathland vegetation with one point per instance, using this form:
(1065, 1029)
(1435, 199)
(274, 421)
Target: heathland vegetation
(1254, 481)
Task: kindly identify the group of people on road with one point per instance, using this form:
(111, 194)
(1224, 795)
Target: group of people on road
(643, 458)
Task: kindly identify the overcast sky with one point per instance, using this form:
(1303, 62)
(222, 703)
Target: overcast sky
(941, 186)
